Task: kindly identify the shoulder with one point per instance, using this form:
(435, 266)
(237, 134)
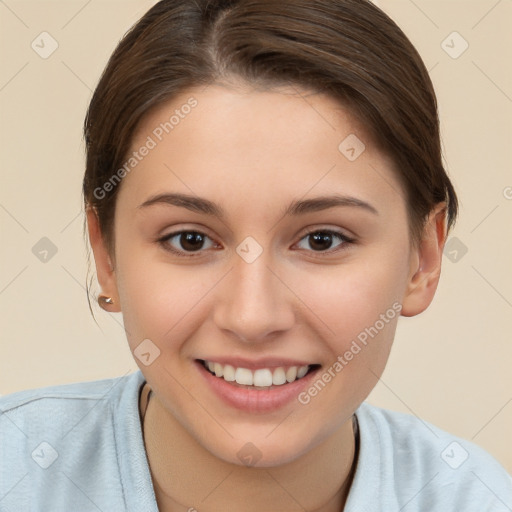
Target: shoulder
(35, 410)
(428, 468)
(74, 391)
(59, 439)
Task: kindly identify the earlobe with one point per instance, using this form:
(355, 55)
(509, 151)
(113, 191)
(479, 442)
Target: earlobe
(104, 265)
(426, 262)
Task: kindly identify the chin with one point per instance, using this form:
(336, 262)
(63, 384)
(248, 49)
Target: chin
(271, 449)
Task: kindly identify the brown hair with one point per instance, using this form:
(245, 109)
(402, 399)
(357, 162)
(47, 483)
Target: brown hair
(348, 49)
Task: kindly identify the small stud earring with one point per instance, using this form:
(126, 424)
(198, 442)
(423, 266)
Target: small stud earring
(105, 301)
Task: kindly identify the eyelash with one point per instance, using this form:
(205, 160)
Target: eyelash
(345, 242)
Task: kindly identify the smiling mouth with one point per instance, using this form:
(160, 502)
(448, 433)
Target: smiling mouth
(260, 379)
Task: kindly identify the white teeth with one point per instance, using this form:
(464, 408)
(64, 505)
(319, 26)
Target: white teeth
(229, 373)
(218, 369)
(291, 373)
(244, 376)
(302, 371)
(278, 377)
(263, 377)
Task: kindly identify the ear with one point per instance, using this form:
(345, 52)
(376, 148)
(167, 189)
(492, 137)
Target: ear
(104, 267)
(426, 261)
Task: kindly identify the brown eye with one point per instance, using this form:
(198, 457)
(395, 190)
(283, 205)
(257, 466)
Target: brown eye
(187, 241)
(191, 241)
(320, 241)
(323, 241)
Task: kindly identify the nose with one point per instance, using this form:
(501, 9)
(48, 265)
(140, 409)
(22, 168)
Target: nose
(253, 304)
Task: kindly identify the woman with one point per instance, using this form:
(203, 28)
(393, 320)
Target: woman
(265, 196)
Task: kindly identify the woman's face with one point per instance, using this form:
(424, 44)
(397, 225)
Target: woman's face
(247, 237)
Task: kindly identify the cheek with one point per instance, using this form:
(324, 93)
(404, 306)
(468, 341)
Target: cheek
(159, 301)
(357, 310)
(350, 298)
(356, 307)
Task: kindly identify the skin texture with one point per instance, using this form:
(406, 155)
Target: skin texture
(252, 153)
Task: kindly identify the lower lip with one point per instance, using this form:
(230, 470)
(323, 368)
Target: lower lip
(254, 400)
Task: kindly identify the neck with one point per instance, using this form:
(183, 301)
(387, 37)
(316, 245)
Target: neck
(186, 476)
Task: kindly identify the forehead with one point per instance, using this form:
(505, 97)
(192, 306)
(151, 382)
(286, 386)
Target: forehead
(223, 141)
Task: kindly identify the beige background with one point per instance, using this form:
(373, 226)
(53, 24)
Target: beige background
(450, 366)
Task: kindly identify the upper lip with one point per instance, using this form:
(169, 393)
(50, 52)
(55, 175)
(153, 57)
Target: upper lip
(255, 364)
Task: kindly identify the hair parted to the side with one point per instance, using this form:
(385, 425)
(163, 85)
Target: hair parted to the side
(348, 49)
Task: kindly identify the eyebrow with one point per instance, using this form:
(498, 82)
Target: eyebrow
(300, 207)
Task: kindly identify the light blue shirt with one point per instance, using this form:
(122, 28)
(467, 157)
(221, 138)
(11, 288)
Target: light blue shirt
(79, 448)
